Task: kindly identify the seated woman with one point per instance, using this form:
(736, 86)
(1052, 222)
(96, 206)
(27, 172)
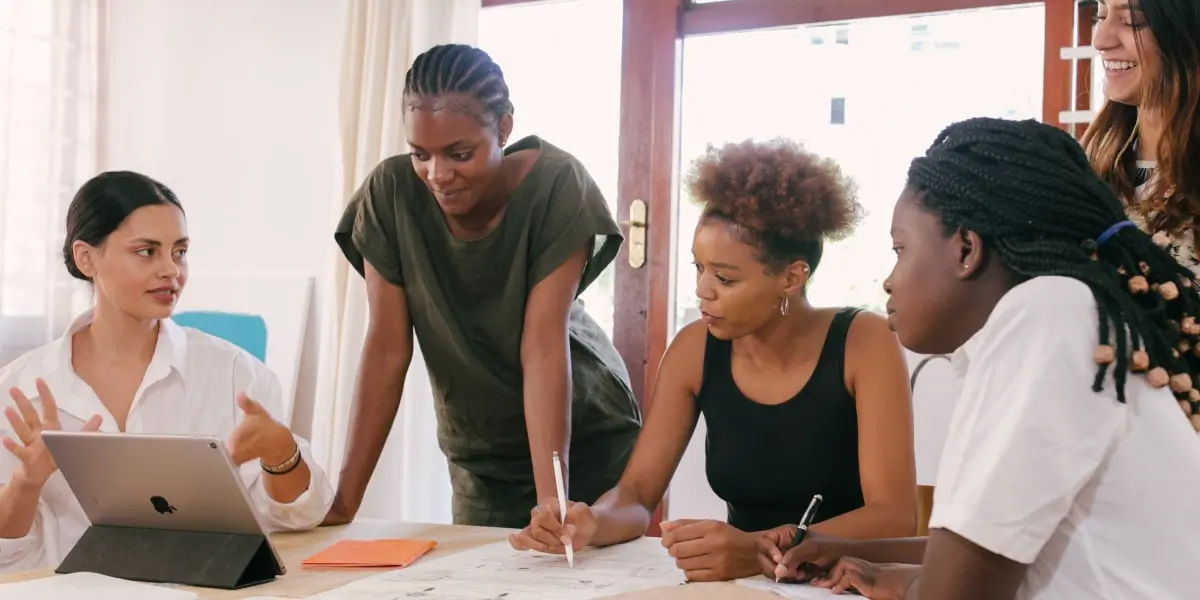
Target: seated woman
(1068, 465)
(124, 366)
(798, 400)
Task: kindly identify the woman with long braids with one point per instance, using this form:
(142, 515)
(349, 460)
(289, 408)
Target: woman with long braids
(480, 248)
(1145, 141)
(1068, 472)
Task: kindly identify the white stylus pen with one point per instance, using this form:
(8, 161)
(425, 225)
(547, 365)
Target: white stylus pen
(562, 504)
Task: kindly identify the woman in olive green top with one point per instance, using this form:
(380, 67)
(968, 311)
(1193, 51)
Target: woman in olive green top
(482, 250)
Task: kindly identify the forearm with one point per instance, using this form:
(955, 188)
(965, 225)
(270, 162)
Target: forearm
(377, 394)
(872, 522)
(286, 488)
(547, 394)
(18, 507)
(620, 516)
(906, 551)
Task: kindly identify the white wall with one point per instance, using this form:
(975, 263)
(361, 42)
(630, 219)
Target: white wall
(233, 105)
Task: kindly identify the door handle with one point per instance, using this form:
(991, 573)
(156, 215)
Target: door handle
(637, 227)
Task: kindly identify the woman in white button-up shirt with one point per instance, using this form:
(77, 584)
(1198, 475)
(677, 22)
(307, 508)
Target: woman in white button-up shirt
(124, 366)
(1069, 471)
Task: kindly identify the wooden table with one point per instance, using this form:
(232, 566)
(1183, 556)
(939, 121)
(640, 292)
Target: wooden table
(299, 583)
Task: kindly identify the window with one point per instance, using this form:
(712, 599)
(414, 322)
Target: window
(48, 60)
(570, 97)
(837, 111)
(837, 34)
(901, 100)
(925, 38)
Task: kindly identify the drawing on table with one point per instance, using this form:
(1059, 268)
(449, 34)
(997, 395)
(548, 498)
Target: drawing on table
(497, 572)
(792, 591)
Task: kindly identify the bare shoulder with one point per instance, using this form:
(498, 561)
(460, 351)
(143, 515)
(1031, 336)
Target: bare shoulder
(684, 360)
(868, 329)
(873, 352)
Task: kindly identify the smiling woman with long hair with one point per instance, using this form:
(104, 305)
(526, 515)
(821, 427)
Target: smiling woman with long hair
(1145, 141)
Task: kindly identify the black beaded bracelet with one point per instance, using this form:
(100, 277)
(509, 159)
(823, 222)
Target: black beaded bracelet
(286, 466)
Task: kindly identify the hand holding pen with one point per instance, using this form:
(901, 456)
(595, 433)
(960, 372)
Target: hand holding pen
(802, 528)
(549, 531)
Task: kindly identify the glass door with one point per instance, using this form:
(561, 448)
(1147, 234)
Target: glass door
(871, 94)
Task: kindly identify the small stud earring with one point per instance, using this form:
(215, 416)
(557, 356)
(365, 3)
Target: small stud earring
(966, 266)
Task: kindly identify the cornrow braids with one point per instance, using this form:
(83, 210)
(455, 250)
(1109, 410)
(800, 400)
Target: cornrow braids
(459, 69)
(1028, 191)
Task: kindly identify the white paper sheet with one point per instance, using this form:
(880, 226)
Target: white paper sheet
(792, 591)
(91, 586)
(497, 572)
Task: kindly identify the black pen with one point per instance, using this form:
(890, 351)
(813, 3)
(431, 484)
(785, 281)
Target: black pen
(806, 520)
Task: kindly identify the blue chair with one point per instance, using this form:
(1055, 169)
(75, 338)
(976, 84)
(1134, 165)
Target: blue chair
(248, 332)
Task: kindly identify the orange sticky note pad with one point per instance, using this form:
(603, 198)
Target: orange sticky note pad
(370, 553)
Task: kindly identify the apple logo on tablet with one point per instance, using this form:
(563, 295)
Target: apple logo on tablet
(161, 505)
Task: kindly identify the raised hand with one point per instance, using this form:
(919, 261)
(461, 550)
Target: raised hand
(36, 464)
(259, 436)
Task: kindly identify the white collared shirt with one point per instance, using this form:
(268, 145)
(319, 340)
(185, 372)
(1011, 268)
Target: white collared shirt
(1099, 498)
(190, 387)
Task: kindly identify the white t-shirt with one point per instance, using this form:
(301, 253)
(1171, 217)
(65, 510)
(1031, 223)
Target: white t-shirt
(190, 387)
(1099, 498)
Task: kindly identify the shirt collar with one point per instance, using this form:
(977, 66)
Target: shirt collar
(170, 354)
(961, 359)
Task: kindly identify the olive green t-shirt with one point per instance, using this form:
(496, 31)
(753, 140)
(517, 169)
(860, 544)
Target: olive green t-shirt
(467, 303)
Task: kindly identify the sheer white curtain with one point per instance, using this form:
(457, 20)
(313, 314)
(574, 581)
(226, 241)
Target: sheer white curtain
(382, 39)
(49, 71)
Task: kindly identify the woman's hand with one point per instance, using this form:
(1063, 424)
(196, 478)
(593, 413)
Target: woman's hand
(548, 533)
(707, 550)
(877, 582)
(259, 436)
(36, 463)
(815, 555)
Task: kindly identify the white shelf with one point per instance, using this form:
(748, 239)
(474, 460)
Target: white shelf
(1073, 117)
(1078, 53)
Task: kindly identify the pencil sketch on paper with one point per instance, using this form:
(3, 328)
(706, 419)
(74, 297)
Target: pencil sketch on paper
(497, 572)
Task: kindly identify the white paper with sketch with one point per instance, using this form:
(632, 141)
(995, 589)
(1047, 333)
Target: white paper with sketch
(792, 591)
(497, 572)
(90, 586)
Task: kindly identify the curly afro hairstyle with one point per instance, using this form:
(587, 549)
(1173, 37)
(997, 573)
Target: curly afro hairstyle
(778, 197)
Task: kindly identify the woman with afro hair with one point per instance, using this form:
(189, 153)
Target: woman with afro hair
(798, 400)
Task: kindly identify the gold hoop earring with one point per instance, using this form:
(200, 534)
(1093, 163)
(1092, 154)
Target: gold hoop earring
(783, 306)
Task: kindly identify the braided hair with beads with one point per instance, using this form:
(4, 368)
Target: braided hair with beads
(1029, 192)
(463, 70)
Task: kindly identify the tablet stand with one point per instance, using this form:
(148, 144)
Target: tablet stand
(214, 560)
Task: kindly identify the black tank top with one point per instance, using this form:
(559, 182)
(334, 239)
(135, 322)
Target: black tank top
(767, 461)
